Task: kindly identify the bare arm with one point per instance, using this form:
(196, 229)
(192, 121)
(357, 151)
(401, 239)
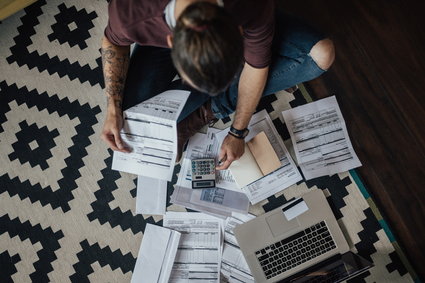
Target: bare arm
(115, 61)
(251, 86)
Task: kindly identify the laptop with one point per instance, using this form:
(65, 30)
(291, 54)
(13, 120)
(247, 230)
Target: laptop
(297, 241)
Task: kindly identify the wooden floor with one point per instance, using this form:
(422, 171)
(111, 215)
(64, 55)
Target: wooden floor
(379, 80)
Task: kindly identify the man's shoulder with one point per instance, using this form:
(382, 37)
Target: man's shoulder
(248, 10)
(140, 21)
(128, 12)
(234, 5)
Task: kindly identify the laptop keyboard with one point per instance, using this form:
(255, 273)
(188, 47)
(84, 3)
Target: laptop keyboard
(295, 250)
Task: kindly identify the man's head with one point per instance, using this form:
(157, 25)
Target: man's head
(207, 47)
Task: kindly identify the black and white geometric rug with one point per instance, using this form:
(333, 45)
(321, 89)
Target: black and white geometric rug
(64, 214)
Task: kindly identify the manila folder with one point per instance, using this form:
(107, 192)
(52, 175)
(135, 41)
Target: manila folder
(264, 154)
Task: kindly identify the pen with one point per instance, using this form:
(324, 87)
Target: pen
(220, 162)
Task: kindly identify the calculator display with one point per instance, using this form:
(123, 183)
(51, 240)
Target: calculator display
(203, 185)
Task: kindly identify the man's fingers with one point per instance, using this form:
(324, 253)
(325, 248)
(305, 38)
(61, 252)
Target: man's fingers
(229, 159)
(221, 162)
(112, 142)
(119, 143)
(109, 141)
(222, 154)
(225, 165)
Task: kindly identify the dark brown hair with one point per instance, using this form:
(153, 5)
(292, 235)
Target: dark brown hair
(207, 47)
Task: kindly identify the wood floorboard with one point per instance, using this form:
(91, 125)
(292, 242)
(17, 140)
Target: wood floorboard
(379, 80)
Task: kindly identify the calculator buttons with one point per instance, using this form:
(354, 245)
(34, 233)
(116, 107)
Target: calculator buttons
(203, 173)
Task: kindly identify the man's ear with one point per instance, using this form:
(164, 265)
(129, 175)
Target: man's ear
(170, 40)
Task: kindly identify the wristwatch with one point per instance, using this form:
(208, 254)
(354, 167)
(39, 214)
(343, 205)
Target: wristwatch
(240, 134)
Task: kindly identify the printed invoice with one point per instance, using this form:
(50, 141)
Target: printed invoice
(320, 138)
(199, 252)
(150, 131)
(233, 263)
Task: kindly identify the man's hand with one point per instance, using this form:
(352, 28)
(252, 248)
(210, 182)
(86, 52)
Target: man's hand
(231, 149)
(111, 132)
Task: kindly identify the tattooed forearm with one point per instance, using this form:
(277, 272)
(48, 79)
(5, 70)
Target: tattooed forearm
(115, 60)
(116, 102)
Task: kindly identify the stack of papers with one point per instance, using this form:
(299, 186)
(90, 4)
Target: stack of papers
(197, 247)
(318, 133)
(191, 248)
(150, 131)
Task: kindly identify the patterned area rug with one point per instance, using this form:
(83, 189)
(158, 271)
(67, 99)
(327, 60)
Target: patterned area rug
(64, 214)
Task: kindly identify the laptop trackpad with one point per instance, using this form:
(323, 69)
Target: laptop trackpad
(279, 225)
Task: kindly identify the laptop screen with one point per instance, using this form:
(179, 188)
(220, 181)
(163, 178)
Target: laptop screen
(334, 269)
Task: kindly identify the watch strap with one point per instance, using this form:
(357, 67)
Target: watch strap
(240, 134)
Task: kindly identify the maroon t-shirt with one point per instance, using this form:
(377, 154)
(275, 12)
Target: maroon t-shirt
(143, 22)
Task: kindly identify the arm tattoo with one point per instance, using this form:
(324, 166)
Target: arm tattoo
(114, 101)
(115, 65)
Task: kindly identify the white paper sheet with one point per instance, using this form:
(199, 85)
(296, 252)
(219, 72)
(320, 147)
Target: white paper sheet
(233, 264)
(151, 196)
(199, 253)
(216, 201)
(150, 131)
(278, 180)
(156, 255)
(321, 142)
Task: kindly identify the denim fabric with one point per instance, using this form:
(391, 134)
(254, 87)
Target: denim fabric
(151, 70)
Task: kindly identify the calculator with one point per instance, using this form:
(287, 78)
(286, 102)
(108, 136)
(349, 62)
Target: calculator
(203, 173)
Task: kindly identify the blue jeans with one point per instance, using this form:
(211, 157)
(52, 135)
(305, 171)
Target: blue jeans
(151, 70)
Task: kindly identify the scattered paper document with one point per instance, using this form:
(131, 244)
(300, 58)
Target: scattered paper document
(233, 264)
(150, 131)
(151, 196)
(199, 253)
(216, 201)
(156, 255)
(320, 138)
(280, 179)
(258, 160)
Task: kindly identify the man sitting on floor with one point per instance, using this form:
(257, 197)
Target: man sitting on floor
(228, 53)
